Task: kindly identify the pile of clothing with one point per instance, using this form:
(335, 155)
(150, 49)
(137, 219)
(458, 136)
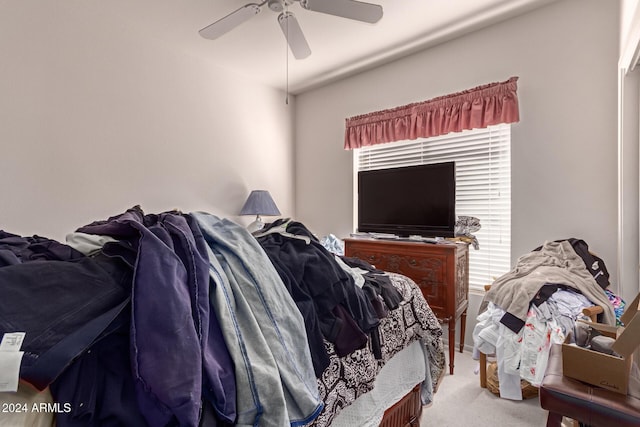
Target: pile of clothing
(338, 304)
(183, 319)
(465, 227)
(537, 304)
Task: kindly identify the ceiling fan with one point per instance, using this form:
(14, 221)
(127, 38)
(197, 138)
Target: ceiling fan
(351, 9)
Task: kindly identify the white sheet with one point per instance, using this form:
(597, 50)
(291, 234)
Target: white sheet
(396, 378)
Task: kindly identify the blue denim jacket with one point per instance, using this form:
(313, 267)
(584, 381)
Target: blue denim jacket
(264, 330)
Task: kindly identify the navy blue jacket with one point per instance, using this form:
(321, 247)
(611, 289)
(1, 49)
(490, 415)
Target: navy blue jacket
(332, 306)
(177, 356)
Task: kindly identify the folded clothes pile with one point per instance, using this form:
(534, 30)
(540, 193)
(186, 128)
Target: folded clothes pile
(466, 226)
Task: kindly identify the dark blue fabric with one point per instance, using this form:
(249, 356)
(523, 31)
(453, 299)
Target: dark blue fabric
(99, 385)
(165, 353)
(16, 249)
(169, 316)
(377, 281)
(63, 306)
(512, 322)
(353, 298)
(318, 285)
(304, 302)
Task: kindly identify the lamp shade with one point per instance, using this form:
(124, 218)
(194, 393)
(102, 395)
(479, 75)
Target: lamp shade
(259, 202)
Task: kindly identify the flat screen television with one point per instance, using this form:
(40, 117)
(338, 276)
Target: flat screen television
(413, 200)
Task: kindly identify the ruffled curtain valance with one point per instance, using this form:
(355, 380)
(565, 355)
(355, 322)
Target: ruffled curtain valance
(479, 107)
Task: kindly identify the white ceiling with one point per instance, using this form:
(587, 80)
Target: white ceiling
(340, 47)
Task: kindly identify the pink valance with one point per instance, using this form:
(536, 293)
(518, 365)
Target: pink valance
(479, 107)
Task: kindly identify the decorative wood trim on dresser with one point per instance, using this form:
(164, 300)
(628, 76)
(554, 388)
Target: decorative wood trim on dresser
(440, 270)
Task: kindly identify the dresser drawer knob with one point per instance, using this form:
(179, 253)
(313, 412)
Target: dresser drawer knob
(413, 262)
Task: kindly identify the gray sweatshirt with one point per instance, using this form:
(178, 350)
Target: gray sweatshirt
(556, 263)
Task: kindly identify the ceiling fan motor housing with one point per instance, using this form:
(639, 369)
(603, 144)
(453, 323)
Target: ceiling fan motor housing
(279, 5)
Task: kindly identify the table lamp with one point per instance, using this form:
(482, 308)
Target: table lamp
(259, 203)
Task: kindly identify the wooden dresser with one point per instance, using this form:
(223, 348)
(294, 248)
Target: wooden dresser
(440, 270)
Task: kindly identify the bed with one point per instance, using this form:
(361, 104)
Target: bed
(127, 322)
(412, 350)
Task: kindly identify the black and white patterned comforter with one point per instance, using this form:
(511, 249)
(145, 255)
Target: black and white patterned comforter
(351, 376)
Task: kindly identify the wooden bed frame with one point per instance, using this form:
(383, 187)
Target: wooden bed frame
(406, 412)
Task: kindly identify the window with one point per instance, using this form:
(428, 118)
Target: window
(483, 186)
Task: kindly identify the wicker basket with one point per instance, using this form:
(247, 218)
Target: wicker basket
(493, 384)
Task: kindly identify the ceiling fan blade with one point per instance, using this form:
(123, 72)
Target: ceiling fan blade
(293, 33)
(357, 10)
(229, 22)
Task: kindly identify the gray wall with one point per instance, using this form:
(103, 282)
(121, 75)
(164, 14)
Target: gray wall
(95, 118)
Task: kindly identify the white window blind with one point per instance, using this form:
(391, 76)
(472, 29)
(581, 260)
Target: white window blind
(483, 186)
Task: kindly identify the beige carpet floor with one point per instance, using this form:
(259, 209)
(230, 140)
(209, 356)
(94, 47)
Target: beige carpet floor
(461, 402)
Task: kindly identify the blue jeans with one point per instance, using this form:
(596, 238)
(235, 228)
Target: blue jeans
(263, 328)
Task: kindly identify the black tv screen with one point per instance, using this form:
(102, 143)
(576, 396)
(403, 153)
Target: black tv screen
(413, 200)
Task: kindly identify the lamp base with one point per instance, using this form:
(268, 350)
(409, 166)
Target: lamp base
(256, 225)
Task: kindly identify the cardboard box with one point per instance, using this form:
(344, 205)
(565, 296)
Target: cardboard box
(604, 370)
